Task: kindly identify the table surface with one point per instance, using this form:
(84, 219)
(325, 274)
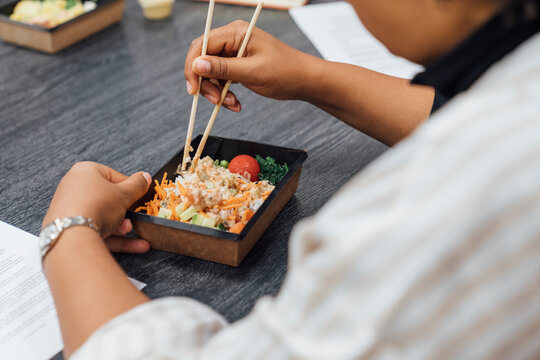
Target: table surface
(119, 98)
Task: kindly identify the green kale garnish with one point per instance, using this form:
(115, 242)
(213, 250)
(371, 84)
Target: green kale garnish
(271, 170)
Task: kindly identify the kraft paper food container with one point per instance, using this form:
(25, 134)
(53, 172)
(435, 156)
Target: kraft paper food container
(212, 244)
(106, 13)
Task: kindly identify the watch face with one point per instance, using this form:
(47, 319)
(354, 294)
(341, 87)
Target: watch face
(48, 235)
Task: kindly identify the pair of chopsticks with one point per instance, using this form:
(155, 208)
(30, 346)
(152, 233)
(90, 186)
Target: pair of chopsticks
(217, 107)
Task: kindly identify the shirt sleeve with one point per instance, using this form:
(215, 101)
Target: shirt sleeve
(430, 253)
(167, 328)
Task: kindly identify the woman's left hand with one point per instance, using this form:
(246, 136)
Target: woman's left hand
(104, 195)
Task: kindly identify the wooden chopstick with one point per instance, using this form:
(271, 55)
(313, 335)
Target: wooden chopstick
(187, 146)
(197, 156)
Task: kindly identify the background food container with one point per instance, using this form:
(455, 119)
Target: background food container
(52, 40)
(210, 244)
(156, 9)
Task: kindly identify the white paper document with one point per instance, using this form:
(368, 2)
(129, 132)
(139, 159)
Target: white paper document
(29, 328)
(337, 33)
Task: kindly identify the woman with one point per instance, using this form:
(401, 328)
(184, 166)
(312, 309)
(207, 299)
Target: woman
(433, 250)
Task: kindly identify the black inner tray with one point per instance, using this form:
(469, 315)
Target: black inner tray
(223, 149)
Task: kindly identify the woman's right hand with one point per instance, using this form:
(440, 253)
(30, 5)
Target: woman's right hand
(269, 67)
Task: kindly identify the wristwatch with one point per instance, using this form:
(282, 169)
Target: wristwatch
(50, 234)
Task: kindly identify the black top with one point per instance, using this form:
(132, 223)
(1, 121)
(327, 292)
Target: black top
(461, 67)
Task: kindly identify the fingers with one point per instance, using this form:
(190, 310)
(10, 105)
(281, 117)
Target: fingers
(224, 68)
(212, 91)
(224, 41)
(105, 171)
(125, 228)
(126, 245)
(108, 173)
(135, 186)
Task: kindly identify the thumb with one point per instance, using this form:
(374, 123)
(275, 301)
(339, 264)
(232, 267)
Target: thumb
(214, 67)
(135, 186)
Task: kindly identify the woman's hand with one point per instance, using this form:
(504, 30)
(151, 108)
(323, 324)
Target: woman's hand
(269, 67)
(384, 107)
(102, 194)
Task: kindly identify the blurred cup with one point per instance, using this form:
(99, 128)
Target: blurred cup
(156, 9)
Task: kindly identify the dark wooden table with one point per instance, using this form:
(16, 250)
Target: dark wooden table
(119, 98)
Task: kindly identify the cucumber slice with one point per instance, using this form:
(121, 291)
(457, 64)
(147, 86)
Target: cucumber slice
(209, 222)
(164, 213)
(188, 214)
(197, 219)
(200, 220)
(179, 210)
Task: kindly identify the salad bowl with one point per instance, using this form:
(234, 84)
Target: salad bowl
(209, 243)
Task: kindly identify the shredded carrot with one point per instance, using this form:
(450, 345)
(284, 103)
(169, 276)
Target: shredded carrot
(164, 178)
(159, 190)
(266, 193)
(182, 189)
(237, 228)
(232, 206)
(140, 208)
(172, 206)
(203, 214)
(248, 214)
(154, 208)
(184, 192)
(234, 201)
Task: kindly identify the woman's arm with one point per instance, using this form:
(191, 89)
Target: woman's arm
(88, 286)
(384, 107)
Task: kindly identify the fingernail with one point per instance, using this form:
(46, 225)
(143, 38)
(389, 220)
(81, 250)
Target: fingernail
(147, 177)
(229, 100)
(213, 99)
(189, 88)
(202, 66)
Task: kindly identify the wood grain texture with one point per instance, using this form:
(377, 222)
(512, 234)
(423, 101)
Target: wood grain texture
(119, 98)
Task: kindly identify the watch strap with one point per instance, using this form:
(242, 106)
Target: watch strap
(50, 234)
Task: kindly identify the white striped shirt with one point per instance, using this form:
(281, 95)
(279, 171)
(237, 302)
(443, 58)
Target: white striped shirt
(432, 252)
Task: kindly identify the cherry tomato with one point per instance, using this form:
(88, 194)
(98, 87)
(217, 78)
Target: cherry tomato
(246, 166)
